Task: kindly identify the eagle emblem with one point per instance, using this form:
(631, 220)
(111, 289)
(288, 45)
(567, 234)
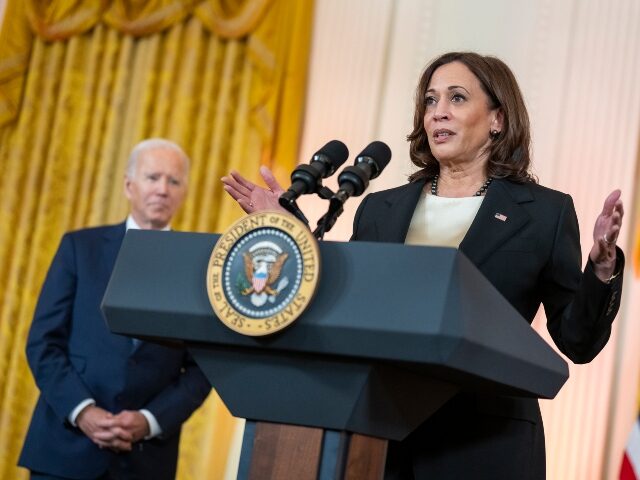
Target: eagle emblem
(263, 273)
(263, 264)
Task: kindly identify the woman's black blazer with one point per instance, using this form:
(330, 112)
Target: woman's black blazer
(525, 240)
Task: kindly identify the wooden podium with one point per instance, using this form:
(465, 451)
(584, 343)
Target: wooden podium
(393, 332)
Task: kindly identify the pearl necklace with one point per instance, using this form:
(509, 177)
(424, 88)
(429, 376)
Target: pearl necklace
(480, 192)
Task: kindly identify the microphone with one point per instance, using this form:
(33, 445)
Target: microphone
(354, 180)
(308, 178)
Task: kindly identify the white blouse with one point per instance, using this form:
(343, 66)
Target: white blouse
(441, 221)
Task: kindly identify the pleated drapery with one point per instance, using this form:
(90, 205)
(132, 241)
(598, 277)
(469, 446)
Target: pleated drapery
(82, 81)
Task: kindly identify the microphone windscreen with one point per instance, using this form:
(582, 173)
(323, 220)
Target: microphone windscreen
(379, 152)
(336, 151)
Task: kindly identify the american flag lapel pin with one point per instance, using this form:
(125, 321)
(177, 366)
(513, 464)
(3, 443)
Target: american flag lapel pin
(501, 217)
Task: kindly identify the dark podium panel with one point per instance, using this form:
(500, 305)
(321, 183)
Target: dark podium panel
(393, 332)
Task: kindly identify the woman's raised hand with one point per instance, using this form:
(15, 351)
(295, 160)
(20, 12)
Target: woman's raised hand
(252, 197)
(605, 235)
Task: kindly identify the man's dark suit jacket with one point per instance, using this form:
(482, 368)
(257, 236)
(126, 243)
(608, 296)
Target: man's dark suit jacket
(531, 257)
(74, 356)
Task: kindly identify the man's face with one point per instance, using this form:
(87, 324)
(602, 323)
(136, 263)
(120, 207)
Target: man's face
(157, 187)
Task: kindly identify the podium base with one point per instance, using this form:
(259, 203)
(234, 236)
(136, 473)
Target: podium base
(272, 451)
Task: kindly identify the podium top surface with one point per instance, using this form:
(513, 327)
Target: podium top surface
(425, 307)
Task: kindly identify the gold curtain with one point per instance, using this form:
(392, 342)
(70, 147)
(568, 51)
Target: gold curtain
(81, 81)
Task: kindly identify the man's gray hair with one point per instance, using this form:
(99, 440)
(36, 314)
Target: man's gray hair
(152, 144)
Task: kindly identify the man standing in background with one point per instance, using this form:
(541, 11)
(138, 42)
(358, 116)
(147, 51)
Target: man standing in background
(110, 407)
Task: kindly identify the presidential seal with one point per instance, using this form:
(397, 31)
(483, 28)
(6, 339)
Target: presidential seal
(263, 273)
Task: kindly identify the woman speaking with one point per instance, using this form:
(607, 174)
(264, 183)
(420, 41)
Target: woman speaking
(475, 191)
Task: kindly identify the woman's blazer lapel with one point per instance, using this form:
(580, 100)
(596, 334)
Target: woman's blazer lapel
(393, 225)
(500, 216)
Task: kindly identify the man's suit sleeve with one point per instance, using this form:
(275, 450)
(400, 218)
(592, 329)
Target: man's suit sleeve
(55, 376)
(580, 308)
(175, 404)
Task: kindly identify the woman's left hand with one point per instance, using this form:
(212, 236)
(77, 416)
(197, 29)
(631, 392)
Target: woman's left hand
(605, 235)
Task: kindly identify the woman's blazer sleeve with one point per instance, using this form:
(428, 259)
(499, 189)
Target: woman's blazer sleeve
(579, 307)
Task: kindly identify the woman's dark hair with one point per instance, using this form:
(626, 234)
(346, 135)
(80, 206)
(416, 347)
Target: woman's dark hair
(509, 151)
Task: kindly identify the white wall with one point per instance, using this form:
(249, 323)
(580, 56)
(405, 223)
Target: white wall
(578, 64)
